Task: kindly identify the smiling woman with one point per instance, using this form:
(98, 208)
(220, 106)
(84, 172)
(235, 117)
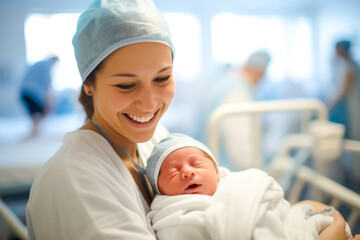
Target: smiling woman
(97, 177)
(132, 85)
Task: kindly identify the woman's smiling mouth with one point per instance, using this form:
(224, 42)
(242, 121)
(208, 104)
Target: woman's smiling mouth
(140, 118)
(141, 121)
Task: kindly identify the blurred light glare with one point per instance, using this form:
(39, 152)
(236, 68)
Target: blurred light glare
(185, 32)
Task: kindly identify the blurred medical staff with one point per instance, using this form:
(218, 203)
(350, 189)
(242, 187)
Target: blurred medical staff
(344, 99)
(35, 90)
(237, 132)
(343, 103)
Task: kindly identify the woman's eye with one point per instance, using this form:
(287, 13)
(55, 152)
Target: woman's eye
(161, 79)
(126, 87)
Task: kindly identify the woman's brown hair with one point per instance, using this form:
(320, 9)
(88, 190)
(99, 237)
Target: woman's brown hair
(85, 99)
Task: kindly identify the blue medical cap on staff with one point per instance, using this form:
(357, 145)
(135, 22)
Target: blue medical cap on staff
(111, 24)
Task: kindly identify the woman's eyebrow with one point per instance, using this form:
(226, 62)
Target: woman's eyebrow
(124, 75)
(134, 75)
(164, 69)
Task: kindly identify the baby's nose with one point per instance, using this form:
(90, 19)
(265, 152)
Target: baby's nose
(187, 171)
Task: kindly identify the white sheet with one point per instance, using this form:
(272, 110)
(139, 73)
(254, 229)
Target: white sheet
(21, 158)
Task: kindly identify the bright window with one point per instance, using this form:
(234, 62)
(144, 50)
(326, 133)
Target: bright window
(185, 32)
(235, 37)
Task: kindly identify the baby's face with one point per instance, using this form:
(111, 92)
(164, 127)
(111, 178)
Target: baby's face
(188, 170)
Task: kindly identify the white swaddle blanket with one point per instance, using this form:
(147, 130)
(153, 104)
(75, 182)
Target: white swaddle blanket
(246, 205)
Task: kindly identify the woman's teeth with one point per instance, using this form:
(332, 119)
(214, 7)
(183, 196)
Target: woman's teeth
(140, 119)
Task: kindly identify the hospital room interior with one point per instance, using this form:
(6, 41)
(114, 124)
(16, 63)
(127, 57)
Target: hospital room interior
(293, 133)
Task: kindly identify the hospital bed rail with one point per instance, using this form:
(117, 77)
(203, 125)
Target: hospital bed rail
(287, 166)
(337, 194)
(13, 226)
(13, 223)
(306, 106)
(295, 180)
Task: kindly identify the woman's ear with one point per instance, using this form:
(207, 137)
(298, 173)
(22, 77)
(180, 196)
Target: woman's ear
(88, 89)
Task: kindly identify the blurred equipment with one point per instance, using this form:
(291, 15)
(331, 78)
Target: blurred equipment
(319, 143)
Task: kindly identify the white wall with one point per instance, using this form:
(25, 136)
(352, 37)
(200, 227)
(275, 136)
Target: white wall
(324, 13)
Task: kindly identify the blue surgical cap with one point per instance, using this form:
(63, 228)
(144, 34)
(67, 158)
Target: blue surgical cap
(166, 146)
(111, 24)
(258, 60)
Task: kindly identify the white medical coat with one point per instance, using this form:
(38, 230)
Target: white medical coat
(86, 192)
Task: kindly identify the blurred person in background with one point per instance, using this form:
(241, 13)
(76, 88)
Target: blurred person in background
(236, 132)
(343, 104)
(35, 90)
(344, 98)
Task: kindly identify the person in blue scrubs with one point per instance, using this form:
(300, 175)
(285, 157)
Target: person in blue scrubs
(35, 90)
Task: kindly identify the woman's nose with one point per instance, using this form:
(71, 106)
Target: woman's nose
(187, 171)
(147, 99)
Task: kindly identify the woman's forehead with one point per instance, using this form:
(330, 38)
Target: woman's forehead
(137, 58)
(139, 50)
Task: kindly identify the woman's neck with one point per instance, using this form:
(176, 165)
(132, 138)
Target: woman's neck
(120, 141)
(129, 148)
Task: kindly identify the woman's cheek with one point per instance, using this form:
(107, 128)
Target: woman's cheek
(170, 93)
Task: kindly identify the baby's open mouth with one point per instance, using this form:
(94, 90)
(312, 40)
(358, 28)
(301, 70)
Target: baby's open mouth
(192, 186)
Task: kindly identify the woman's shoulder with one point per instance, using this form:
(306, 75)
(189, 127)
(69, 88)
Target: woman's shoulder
(78, 136)
(81, 151)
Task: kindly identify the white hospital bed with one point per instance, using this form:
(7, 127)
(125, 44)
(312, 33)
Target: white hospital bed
(289, 168)
(19, 162)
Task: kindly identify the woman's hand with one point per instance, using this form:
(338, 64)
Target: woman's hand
(336, 230)
(315, 205)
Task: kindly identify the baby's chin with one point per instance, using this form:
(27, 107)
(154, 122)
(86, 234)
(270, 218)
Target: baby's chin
(200, 191)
